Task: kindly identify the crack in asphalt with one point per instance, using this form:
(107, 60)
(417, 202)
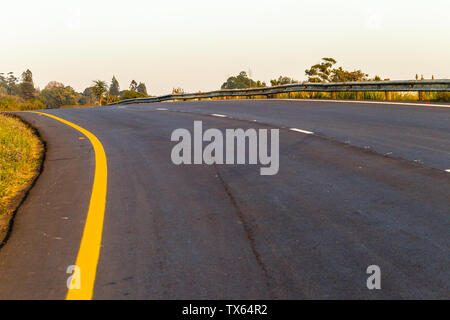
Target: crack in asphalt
(248, 232)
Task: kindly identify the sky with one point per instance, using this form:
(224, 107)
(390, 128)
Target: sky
(198, 44)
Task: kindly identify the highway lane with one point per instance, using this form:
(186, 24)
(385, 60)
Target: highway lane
(411, 132)
(224, 231)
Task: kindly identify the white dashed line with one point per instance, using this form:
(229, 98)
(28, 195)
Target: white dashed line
(218, 115)
(302, 131)
(162, 109)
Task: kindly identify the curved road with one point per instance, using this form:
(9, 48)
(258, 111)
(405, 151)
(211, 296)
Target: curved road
(368, 187)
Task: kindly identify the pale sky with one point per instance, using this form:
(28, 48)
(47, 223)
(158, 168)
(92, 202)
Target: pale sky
(197, 44)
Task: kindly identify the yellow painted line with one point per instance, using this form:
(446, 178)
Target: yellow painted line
(89, 251)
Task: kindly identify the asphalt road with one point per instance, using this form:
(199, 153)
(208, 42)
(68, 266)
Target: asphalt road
(337, 205)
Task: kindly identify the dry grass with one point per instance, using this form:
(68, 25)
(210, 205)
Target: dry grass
(395, 96)
(20, 157)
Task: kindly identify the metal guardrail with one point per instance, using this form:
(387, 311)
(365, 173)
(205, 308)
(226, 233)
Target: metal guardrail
(380, 86)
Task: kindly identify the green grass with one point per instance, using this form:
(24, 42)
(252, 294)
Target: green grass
(20, 157)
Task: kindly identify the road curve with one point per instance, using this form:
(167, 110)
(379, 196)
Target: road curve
(337, 205)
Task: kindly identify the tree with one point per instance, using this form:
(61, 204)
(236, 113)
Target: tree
(133, 85)
(27, 90)
(87, 97)
(321, 72)
(178, 90)
(3, 85)
(54, 85)
(128, 94)
(340, 75)
(2, 80)
(242, 81)
(11, 83)
(114, 89)
(141, 88)
(100, 88)
(55, 95)
(282, 80)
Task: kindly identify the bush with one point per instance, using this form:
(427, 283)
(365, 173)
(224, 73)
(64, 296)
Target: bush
(57, 95)
(14, 103)
(443, 96)
(129, 94)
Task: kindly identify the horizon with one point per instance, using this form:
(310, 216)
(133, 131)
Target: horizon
(198, 45)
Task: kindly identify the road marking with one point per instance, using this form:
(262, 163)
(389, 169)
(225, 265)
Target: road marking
(89, 251)
(302, 131)
(218, 115)
(162, 109)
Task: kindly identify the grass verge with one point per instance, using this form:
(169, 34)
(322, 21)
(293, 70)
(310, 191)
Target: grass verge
(21, 155)
(375, 96)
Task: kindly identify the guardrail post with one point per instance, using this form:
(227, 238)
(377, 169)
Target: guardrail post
(387, 95)
(359, 95)
(421, 95)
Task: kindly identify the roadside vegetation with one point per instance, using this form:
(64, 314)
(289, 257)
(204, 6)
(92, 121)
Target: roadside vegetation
(325, 72)
(21, 94)
(395, 96)
(21, 153)
(13, 103)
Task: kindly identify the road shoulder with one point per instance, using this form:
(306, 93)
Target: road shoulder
(49, 224)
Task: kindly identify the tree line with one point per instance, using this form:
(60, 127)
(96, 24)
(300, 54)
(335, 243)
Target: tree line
(56, 94)
(21, 91)
(324, 71)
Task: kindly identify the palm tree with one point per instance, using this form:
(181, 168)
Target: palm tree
(99, 88)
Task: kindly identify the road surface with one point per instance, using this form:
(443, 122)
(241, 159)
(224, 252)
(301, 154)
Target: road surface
(369, 187)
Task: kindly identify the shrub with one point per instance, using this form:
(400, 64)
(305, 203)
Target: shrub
(14, 103)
